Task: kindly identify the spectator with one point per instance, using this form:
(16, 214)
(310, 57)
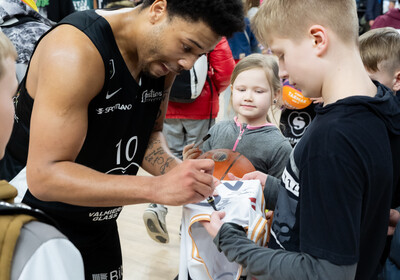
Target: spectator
(390, 19)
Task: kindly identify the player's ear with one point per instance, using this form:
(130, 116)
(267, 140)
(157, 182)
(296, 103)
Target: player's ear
(396, 85)
(319, 39)
(157, 11)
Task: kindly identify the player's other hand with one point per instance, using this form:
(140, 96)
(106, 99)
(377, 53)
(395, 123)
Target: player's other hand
(215, 223)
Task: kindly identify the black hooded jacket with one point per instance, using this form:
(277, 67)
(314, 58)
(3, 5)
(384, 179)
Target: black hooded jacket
(332, 211)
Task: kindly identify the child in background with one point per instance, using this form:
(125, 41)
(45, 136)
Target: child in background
(380, 52)
(255, 87)
(332, 213)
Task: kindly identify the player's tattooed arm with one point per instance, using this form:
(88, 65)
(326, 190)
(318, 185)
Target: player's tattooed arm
(158, 159)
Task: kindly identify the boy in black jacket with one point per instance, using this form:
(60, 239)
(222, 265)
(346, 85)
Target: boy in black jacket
(331, 215)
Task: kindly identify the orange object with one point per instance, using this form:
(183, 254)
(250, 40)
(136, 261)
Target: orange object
(293, 97)
(228, 161)
(31, 3)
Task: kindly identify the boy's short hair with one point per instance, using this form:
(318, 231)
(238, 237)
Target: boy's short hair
(7, 49)
(224, 17)
(292, 18)
(380, 49)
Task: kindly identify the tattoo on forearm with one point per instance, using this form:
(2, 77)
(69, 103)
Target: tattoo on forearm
(157, 156)
(166, 165)
(153, 142)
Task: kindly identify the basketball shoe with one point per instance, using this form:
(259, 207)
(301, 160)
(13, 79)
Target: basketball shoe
(154, 220)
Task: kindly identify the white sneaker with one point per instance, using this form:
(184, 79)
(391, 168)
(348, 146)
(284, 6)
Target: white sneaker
(154, 220)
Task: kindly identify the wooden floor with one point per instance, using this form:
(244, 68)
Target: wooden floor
(143, 258)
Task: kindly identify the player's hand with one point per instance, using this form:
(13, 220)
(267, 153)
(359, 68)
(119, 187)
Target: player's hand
(215, 223)
(190, 153)
(189, 182)
(255, 175)
(394, 218)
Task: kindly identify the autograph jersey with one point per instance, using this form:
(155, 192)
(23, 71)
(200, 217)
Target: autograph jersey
(243, 202)
(121, 118)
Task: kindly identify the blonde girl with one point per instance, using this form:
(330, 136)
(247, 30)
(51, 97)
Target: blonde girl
(255, 87)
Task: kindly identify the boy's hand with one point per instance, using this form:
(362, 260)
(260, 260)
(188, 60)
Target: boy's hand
(255, 175)
(215, 223)
(189, 152)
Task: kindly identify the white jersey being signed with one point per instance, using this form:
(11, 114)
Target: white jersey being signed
(243, 202)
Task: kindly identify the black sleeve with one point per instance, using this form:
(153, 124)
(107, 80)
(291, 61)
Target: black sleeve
(271, 191)
(265, 263)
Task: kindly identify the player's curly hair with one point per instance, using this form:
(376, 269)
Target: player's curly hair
(224, 17)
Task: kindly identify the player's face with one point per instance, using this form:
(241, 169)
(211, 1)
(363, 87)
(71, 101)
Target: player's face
(297, 63)
(251, 96)
(8, 87)
(174, 45)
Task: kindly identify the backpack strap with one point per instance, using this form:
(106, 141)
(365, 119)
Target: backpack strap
(10, 228)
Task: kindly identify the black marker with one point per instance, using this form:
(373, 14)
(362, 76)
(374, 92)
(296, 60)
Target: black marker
(210, 201)
(202, 141)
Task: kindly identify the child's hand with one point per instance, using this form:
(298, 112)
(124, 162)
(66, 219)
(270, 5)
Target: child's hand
(215, 223)
(317, 100)
(255, 175)
(190, 153)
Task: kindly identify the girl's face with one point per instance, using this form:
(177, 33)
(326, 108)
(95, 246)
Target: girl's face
(251, 97)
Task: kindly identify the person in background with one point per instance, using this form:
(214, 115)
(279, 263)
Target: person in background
(83, 5)
(55, 10)
(390, 19)
(374, 9)
(23, 26)
(380, 53)
(255, 87)
(242, 44)
(31, 247)
(251, 8)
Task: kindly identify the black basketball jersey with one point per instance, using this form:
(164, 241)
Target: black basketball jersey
(121, 118)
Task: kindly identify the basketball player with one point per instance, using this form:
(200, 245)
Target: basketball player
(94, 99)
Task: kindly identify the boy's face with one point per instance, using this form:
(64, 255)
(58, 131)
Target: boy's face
(296, 63)
(8, 88)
